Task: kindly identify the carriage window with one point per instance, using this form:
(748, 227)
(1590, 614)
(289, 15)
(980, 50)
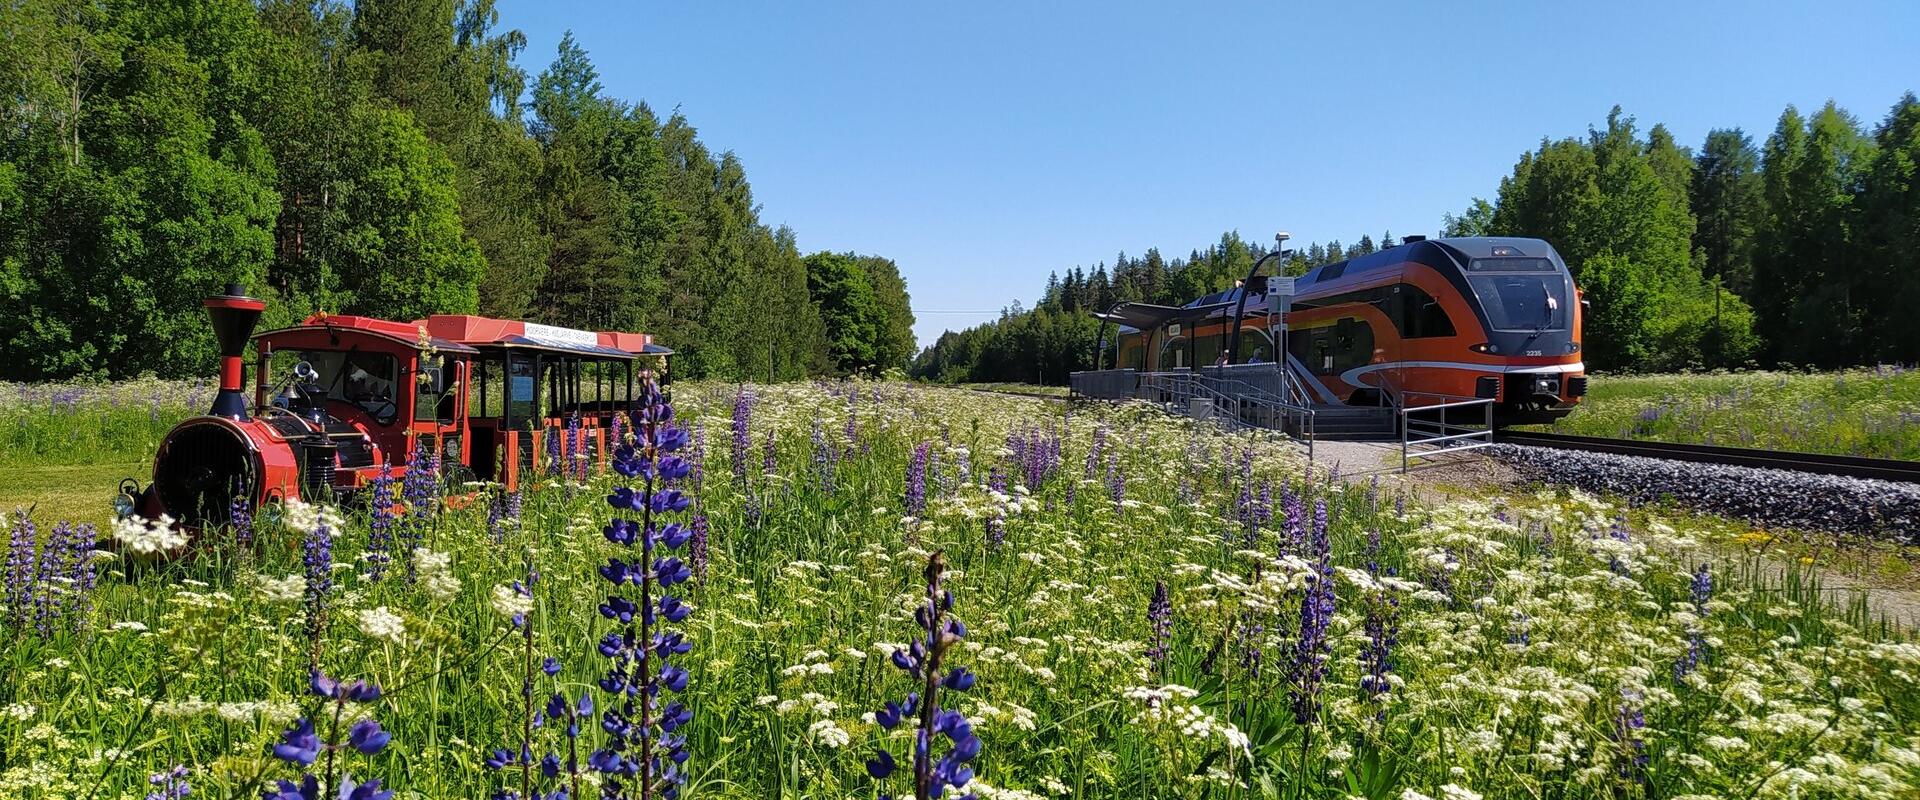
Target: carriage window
(438, 383)
(520, 388)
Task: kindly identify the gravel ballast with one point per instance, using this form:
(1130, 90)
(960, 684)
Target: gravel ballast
(1768, 497)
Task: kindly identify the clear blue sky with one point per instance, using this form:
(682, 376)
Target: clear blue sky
(982, 145)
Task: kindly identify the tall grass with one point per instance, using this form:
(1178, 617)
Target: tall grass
(83, 423)
(1866, 412)
(1525, 632)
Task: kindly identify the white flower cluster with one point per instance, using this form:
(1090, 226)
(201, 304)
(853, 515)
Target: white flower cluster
(270, 712)
(509, 602)
(307, 517)
(436, 573)
(289, 589)
(1165, 707)
(382, 625)
(142, 536)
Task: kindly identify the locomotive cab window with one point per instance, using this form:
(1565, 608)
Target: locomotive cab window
(367, 381)
(1522, 301)
(437, 383)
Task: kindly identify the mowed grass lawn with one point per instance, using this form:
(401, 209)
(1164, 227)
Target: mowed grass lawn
(1864, 412)
(74, 492)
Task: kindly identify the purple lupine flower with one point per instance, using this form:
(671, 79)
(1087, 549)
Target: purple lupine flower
(643, 744)
(50, 575)
(853, 421)
(240, 516)
(1701, 590)
(997, 524)
(82, 575)
(1628, 721)
(554, 455)
(825, 457)
(1382, 627)
(1160, 619)
(497, 517)
(576, 450)
(169, 784)
(22, 556)
(316, 546)
(301, 745)
(530, 716)
(1096, 451)
(1310, 653)
(697, 547)
(742, 439)
(916, 495)
(1116, 483)
(380, 525)
(924, 660)
(419, 487)
(1295, 510)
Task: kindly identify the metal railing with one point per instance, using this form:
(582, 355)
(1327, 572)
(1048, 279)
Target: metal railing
(1103, 384)
(1428, 425)
(1236, 404)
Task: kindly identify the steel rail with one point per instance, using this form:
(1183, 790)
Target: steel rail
(1886, 469)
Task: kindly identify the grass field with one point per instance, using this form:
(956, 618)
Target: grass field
(1865, 412)
(1151, 609)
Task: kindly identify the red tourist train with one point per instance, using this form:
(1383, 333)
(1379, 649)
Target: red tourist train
(491, 399)
(1484, 317)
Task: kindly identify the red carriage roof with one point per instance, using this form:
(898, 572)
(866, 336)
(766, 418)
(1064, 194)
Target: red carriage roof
(473, 330)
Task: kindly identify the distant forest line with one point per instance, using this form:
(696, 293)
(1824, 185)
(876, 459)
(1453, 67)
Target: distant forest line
(1809, 241)
(386, 158)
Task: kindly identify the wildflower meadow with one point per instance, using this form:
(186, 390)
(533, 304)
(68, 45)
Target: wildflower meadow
(866, 590)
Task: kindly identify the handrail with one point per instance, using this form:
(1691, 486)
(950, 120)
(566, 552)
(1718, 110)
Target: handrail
(1433, 432)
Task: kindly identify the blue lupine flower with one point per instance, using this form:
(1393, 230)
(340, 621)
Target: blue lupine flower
(380, 525)
(22, 557)
(1311, 649)
(420, 487)
(916, 494)
(301, 745)
(240, 516)
(316, 545)
(923, 660)
(1160, 618)
(169, 784)
(742, 434)
(1628, 721)
(1701, 591)
(997, 524)
(641, 743)
(49, 574)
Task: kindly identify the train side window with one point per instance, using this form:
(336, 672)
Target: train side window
(1353, 345)
(1421, 315)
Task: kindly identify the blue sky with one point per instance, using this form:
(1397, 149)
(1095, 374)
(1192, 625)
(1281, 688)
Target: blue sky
(982, 145)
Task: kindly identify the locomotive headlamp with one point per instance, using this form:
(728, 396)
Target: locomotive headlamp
(1484, 347)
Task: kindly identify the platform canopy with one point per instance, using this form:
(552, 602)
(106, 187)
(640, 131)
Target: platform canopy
(1145, 316)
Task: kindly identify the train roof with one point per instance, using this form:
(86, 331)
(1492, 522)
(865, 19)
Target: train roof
(488, 332)
(1456, 250)
(397, 332)
(1437, 252)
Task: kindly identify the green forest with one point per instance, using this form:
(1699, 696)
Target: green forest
(1800, 250)
(385, 158)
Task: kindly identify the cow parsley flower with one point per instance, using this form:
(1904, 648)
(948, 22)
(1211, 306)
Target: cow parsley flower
(510, 601)
(382, 625)
(144, 537)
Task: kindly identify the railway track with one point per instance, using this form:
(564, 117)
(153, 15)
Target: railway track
(1886, 469)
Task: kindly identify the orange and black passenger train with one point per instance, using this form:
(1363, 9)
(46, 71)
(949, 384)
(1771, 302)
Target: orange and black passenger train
(1484, 317)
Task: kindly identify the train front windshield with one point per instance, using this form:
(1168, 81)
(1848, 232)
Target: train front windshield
(1521, 294)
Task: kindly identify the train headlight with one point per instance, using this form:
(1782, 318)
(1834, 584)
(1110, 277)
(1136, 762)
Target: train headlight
(1573, 347)
(1546, 385)
(1484, 347)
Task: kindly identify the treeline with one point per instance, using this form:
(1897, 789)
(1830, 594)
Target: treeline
(1803, 250)
(384, 157)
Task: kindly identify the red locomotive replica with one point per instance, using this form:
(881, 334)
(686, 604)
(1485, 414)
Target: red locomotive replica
(489, 399)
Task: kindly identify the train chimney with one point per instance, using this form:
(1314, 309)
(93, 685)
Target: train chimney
(233, 315)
